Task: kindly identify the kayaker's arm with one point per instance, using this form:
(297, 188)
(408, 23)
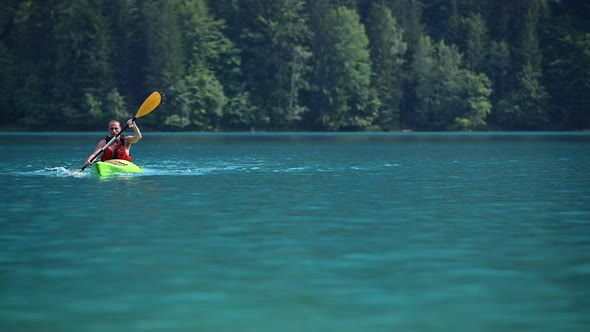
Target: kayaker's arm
(136, 133)
(98, 148)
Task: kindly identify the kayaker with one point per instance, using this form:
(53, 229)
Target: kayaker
(119, 149)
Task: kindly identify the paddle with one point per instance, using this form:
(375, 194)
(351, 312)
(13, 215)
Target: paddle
(148, 105)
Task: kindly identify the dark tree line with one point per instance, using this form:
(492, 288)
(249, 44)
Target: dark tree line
(321, 65)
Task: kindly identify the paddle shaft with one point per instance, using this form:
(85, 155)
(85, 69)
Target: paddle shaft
(106, 146)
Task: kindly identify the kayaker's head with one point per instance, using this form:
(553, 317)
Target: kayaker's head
(114, 127)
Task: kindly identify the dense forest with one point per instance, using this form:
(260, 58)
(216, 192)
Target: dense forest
(296, 65)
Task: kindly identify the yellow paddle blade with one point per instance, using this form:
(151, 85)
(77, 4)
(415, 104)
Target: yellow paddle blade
(149, 104)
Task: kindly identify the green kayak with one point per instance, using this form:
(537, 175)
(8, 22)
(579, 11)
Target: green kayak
(114, 166)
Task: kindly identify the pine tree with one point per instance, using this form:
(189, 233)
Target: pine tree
(387, 52)
(343, 98)
(526, 107)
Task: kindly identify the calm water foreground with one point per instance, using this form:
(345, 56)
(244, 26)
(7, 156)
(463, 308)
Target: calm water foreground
(298, 232)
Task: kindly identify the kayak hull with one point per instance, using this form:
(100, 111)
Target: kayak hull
(114, 166)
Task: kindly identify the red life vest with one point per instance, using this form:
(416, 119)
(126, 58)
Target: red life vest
(121, 153)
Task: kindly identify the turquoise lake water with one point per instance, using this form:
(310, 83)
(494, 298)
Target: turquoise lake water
(298, 232)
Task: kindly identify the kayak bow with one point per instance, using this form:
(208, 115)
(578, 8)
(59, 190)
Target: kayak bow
(113, 166)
